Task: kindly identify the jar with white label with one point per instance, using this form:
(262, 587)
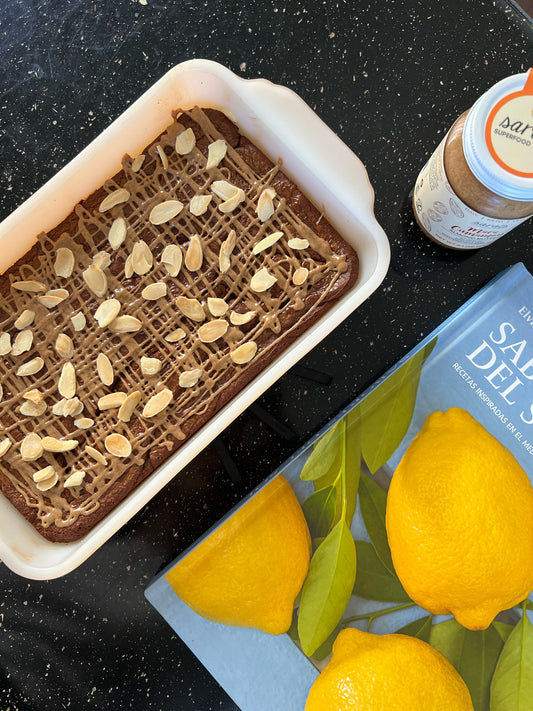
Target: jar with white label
(478, 184)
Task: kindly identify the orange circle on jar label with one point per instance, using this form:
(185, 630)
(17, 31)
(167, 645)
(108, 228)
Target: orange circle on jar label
(509, 131)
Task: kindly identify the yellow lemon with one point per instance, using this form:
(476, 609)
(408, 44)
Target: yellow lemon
(370, 672)
(460, 521)
(250, 570)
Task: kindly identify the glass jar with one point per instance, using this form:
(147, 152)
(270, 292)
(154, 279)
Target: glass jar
(478, 184)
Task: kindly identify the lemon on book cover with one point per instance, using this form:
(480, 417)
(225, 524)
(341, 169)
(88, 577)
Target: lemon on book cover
(249, 571)
(370, 672)
(460, 521)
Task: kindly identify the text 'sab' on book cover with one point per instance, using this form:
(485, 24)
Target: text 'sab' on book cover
(481, 360)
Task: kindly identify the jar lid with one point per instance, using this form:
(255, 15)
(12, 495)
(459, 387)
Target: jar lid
(498, 138)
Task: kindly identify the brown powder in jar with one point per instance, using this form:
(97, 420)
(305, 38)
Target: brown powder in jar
(468, 188)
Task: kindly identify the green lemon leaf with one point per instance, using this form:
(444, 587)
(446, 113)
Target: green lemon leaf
(324, 460)
(373, 503)
(387, 412)
(319, 511)
(293, 629)
(473, 654)
(352, 461)
(316, 542)
(327, 588)
(512, 684)
(327, 646)
(503, 629)
(373, 580)
(418, 628)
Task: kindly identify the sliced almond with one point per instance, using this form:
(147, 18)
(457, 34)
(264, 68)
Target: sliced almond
(5, 445)
(107, 312)
(265, 204)
(65, 261)
(262, 280)
(46, 478)
(74, 479)
(175, 336)
(185, 142)
(298, 243)
(161, 152)
(58, 407)
(155, 291)
(84, 423)
(216, 152)
(1, 392)
(189, 378)
(26, 318)
(194, 255)
(218, 307)
(212, 330)
(44, 474)
(117, 197)
(117, 445)
(96, 280)
(22, 343)
(68, 407)
(199, 204)
(226, 249)
(48, 483)
(117, 233)
(31, 409)
(105, 369)
(238, 319)
(64, 346)
(300, 276)
(244, 353)
(150, 366)
(137, 163)
(125, 324)
(30, 368)
(52, 444)
(128, 267)
(223, 189)
(95, 454)
(78, 321)
(267, 242)
(157, 403)
(142, 259)
(111, 401)
(165, 211)
(233, 202)
(67, 381)
(35, 396)
(191, 308)
(128, 406)
(31, 286)
(172, 258)
(72, 407)
(5, 344)
(102, 260)
(49, 301)
(31, 447)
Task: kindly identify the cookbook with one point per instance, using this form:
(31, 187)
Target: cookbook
(480, 359)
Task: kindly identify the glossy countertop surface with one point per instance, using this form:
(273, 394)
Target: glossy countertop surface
(389, 78)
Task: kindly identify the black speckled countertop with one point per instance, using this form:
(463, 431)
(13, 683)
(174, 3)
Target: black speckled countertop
(389, 78)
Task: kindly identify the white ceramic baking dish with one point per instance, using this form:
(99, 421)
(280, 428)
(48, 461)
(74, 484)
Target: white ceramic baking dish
(280, 123)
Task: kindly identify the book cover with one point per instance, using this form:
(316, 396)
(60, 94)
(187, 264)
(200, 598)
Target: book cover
(480, 359)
